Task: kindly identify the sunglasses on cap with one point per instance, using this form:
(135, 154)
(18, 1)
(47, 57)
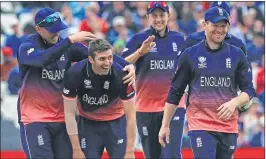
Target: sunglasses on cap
(161, 4)
(49, 20)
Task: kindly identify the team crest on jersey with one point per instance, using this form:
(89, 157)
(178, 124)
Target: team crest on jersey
(87, 84)
(202, 62)
(228, 62)
(62, 58)
(106, 85)
(174, 47)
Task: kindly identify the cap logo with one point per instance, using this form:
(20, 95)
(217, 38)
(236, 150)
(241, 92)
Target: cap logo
(220, 11)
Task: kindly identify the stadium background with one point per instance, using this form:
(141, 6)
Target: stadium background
(117, 22)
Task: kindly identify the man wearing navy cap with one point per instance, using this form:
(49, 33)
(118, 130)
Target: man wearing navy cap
(214, 71)
(199, 36)
(155, 53)
(43, 59)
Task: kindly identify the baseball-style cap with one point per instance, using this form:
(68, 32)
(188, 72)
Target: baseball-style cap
(221, 4)
(154, 5)
(216, 14)
(50, 20)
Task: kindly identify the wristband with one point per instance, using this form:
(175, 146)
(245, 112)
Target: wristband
(139, 53)
(71, 40)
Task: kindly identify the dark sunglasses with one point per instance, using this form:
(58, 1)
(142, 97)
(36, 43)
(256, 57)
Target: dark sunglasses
(161, 4)
(49, 20)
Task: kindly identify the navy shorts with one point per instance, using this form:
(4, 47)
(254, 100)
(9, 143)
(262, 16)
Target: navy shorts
(149, 125)
(45, 140)
(97, 135)
(212, 145)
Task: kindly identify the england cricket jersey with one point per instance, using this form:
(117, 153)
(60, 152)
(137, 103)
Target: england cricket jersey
(199, 36)
(42, 68)
(155, 69)
(100, 96)
(213, 77)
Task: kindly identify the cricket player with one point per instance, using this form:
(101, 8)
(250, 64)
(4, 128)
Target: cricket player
(107, 106)
(154, 53)
(213, 70)
(43, 59)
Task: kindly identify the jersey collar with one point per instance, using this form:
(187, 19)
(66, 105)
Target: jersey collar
(155, 32)
(212, 50)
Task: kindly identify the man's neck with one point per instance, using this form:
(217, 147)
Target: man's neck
(212, 45)
(162, 33)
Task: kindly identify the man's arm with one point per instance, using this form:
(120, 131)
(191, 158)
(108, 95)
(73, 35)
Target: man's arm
(70, 106)
(30, 54)
(181, 79)
(244, 80)
(130, 112)
(146, 46)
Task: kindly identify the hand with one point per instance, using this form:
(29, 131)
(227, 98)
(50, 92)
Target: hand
(147, 45)
(129, 155)
(164, 134)
(82, 36)
(130, 77)
(226, 110)
(78, 154)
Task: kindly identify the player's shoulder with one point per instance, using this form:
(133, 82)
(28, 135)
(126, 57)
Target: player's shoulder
(77, 67)
(235, 39)
(118, 70)
(234, 49)
(175, 34)
(196, 36)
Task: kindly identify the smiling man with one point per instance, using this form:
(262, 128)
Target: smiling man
(155, 53)
(213, 70)
(107, 106)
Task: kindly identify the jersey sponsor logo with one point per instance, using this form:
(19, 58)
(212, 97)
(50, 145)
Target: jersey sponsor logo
(202, 62)
(53, 74)
(62, 58)
(176, 118)
(215, 81)
(199, 142)
(130, 91)
(228, 62)
(120, 141)
(249, 70)
(154, 49)
(87, 84)
(232, 147)
(179, 52)
(40, 140)
(83, 143)
(125, 49)
(106, 85)
(162, 64)
(66, 91)
(174, 46)
(145, 131)
(94, 100)
(30, 51)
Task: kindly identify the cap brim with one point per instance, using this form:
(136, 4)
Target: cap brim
(218, 19)
(57, 27)
(152, 9)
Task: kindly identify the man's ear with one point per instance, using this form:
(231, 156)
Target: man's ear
(204, 24)
(91, 59)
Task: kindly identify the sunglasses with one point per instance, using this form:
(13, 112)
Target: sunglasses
(161, 4)
(49, 20)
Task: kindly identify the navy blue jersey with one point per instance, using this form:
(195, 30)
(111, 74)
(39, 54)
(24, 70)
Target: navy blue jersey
(99, 95)
(155, 69)
(213, 78)
(199, 36)
(42, 69)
